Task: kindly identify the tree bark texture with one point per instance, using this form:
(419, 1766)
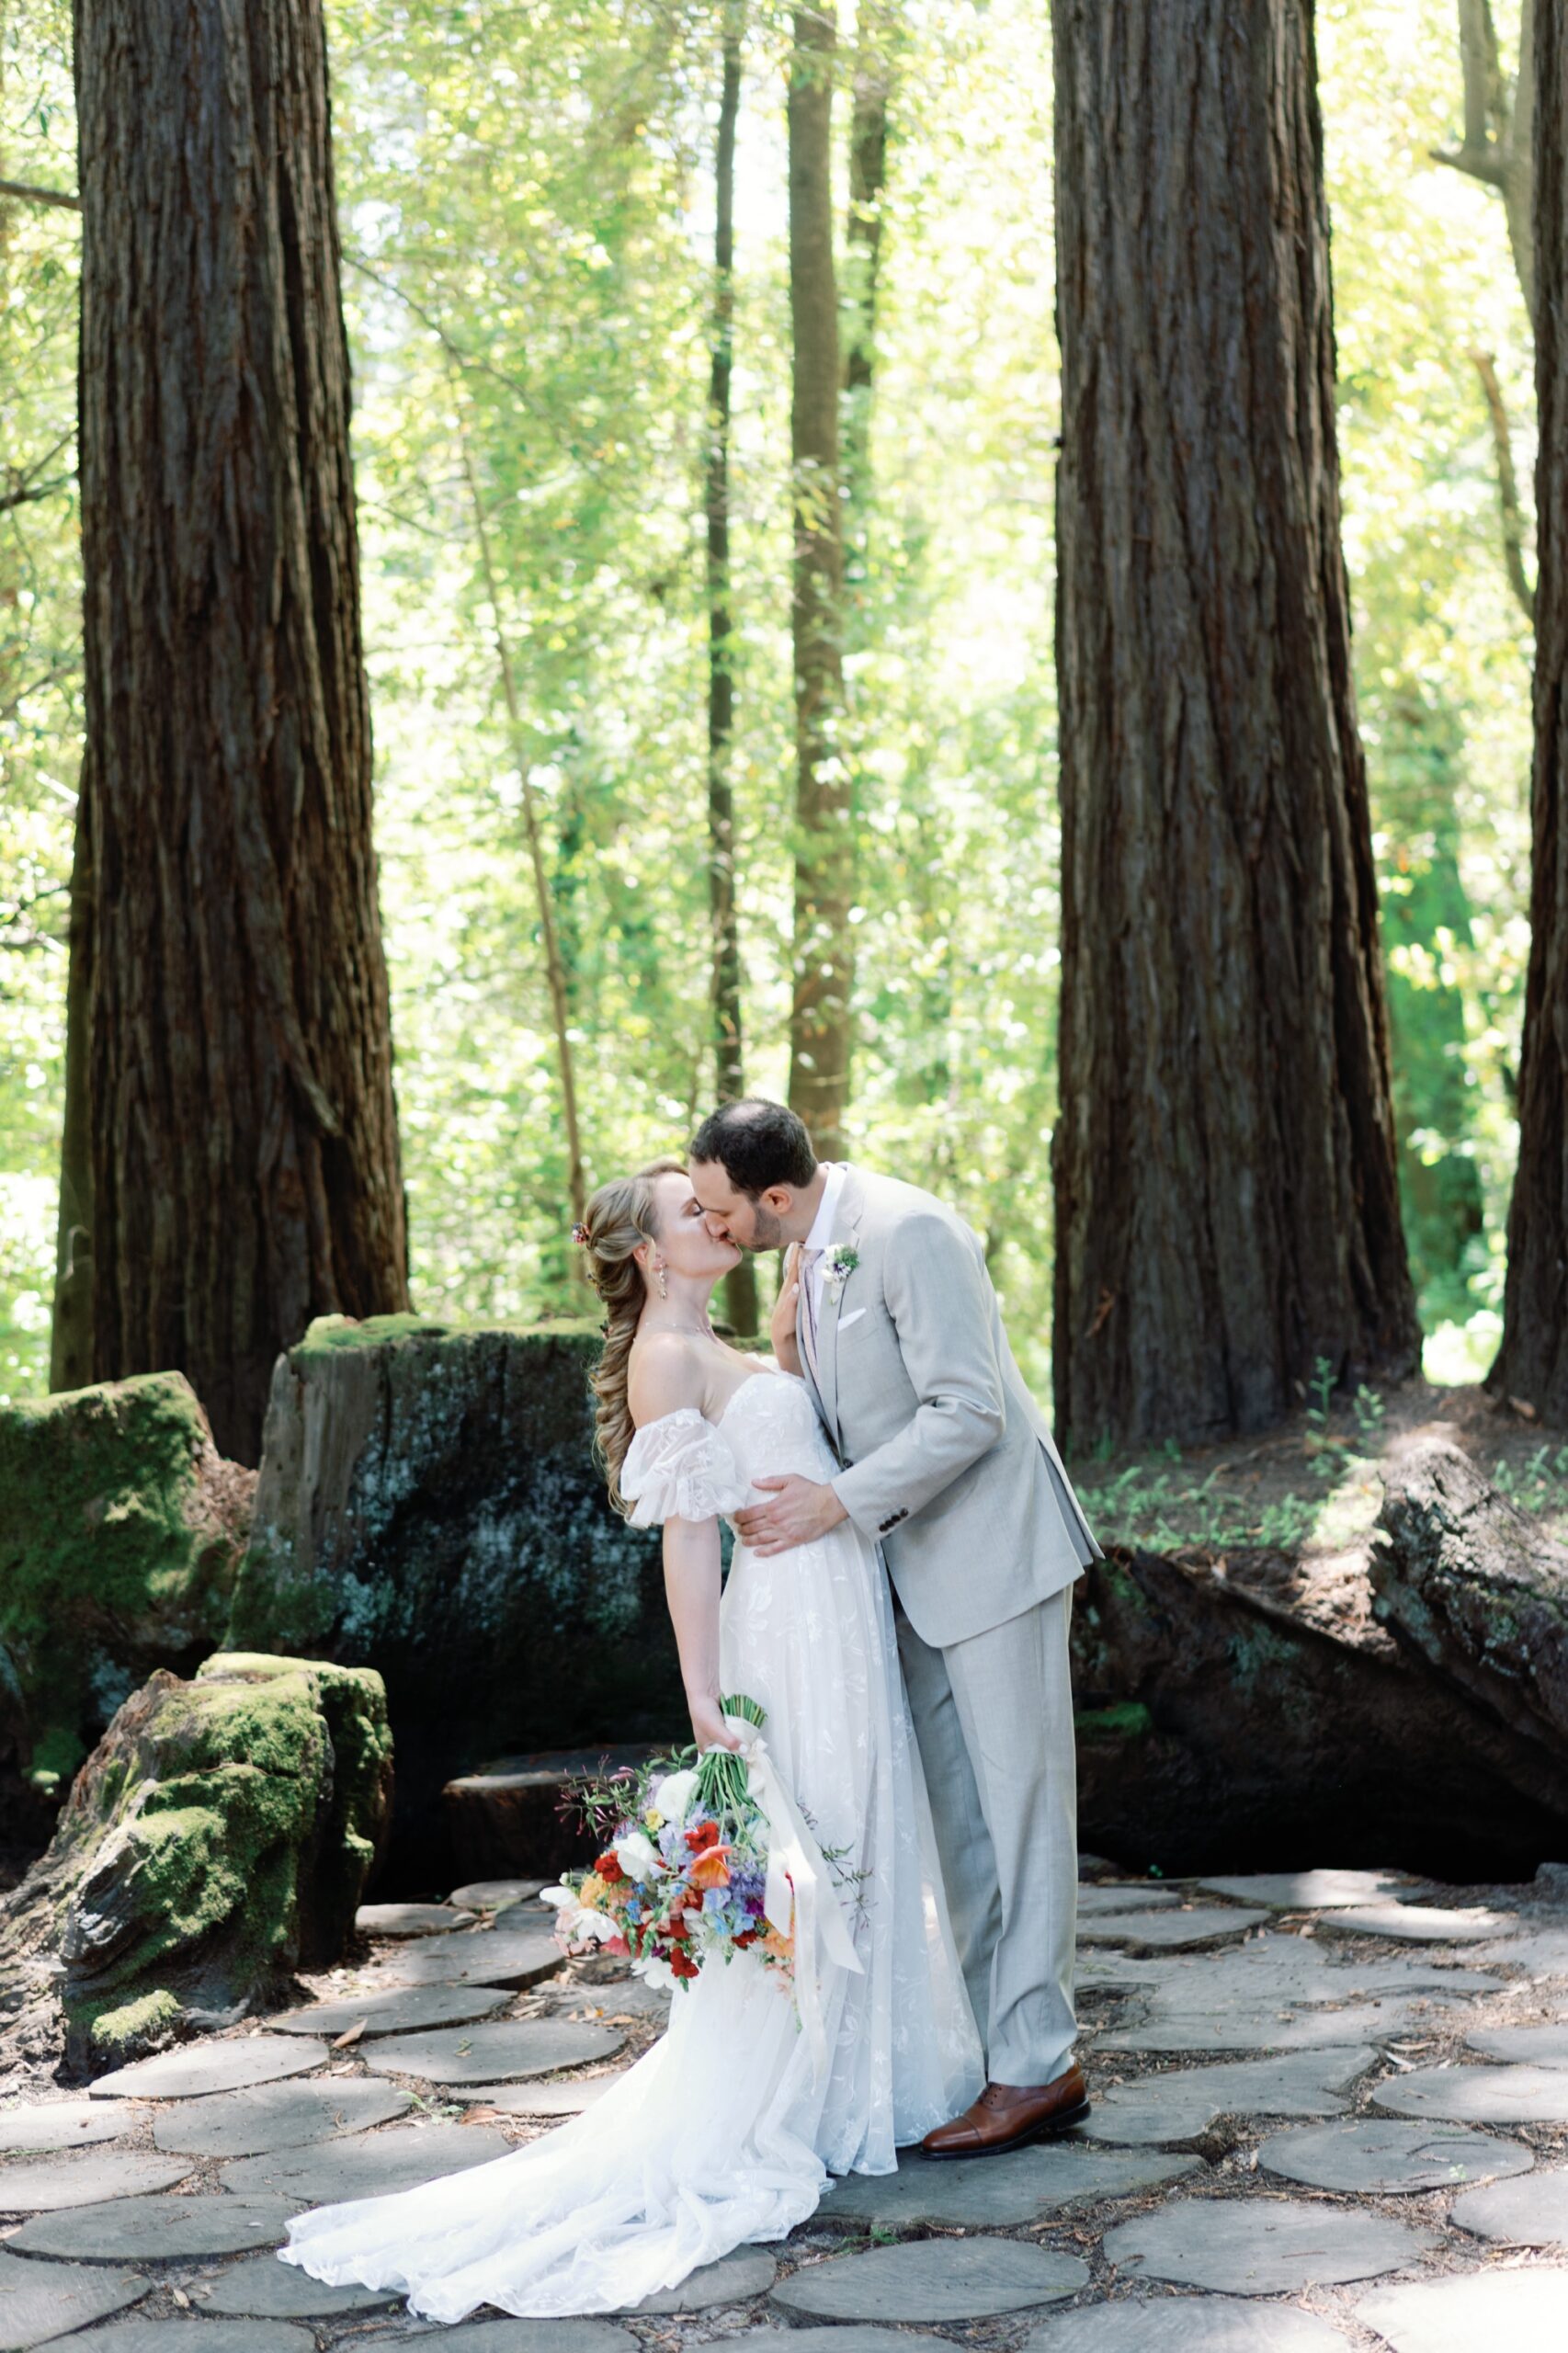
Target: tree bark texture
(245, 1167)
(728, 1037)
(70, 1325)
(825, 851)
(1532, 1362)
(1227, 1204)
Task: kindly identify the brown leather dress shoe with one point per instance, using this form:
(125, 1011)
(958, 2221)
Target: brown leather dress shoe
(1006, 2116)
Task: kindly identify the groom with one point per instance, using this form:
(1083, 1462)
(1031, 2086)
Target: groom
(948, 1465)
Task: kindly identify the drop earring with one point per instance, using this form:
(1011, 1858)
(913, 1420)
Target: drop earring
(663, 1286)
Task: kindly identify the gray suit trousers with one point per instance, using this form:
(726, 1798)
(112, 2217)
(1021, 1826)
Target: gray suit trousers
(993, 1718)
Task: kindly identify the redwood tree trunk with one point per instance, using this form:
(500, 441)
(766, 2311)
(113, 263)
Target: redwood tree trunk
(70, 1328)
(824, 855)
(1533, 1360)
(1227, 1208)
(728, 1037)
(245, 1172)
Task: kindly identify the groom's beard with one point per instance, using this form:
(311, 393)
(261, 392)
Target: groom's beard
(767, 1232)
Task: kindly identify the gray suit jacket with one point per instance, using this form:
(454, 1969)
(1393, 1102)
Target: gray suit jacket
(949, 1463)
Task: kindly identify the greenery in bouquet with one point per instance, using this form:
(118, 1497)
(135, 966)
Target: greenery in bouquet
(683, 1869)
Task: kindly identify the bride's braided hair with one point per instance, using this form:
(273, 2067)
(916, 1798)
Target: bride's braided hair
(616, 1224)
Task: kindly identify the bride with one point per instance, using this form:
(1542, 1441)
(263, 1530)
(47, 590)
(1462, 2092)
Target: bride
(728, 2129)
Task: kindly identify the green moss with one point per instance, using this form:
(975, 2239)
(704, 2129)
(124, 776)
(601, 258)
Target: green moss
(120, 2033)
(329, 1333)
(57, 1752)
(105, 1546)
(1128, 1721)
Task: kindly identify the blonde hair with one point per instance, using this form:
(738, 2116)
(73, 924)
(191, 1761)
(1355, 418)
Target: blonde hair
(617, 1222)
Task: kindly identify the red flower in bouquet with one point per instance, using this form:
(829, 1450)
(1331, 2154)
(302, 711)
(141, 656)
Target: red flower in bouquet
(703, 1834)
(609, 1869)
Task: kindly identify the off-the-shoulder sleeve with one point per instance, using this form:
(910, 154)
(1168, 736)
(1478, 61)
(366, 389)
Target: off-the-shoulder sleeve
(680, 1467)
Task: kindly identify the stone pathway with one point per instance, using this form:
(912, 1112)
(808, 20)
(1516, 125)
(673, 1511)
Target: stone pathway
(1331, 2112)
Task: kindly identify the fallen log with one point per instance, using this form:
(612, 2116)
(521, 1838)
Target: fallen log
(1247, 1711)
(1469, 1586)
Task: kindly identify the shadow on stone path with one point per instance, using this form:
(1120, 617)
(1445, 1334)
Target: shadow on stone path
(1331, 2111)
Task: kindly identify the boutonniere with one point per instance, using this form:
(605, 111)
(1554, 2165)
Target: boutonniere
(839, 1266)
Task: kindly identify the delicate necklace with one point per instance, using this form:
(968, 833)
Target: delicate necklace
(701, 1331)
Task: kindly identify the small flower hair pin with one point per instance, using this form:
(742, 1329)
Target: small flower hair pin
(579, 1236)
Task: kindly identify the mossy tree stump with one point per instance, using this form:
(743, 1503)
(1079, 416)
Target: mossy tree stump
(428, 1503)
(121, 1528)
(219, 1836)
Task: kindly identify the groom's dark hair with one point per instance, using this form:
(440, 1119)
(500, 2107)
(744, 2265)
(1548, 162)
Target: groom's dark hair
(757, 1144)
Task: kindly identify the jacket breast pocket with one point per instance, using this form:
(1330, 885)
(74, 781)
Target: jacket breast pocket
(846, 1321)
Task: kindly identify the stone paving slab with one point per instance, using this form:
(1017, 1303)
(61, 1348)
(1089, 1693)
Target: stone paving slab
(156, 2229)
(735, 2280)
(393, 2010)
(1530, 2211)
(1480, 2095)
(1380, 2155)
(195, 2069)
(278, 2116)
(1540, 1952)
(1421, 1924)
(63, 2124)
(1187, 2324)
(995, 2193)
(514, 1959)
(40, 2301)
(82, 2177)
(1136, 1895)
(937, 2280)
(493, 1894)
(1251, 2028)
(138, 2336)
(1520, 2310)
(1302, 1969)
(854, 2337)
(366, 2164)
(1170, 1930)
(1308, 1891)
(497, 2053)
(519, 2336)
(1165, 2110)
(263, 2289)
(1263, 2247)
(632, 2000)
(409, 1920)
(569, 2098)
(1546, 2045)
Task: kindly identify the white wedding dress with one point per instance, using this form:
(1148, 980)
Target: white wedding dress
(726, 2130)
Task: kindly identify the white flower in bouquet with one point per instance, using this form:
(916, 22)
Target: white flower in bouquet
(673, 1794)
(638, 1856)
(655, 1972)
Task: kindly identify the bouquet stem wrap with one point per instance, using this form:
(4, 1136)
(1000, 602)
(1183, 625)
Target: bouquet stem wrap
(800, 1890)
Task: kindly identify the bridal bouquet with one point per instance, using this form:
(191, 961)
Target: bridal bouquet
(684, 1874)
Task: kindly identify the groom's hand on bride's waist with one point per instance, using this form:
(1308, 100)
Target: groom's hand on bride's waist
(799, 1511)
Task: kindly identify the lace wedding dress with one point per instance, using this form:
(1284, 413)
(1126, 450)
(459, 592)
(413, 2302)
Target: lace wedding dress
(726, 2130)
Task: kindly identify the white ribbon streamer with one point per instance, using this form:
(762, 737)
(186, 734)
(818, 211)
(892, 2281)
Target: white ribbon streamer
(799, 1890)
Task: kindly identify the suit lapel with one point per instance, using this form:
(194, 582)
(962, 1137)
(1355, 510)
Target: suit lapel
(846, 1226)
